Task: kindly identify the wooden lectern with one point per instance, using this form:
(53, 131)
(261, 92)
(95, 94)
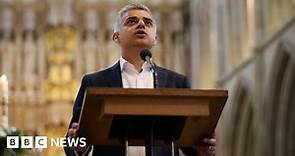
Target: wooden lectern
(110, 116)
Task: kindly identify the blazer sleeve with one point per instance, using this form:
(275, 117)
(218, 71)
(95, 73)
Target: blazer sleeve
(186, 83)
(79, 99)
(76, 114)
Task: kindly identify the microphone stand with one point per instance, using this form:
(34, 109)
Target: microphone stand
(149, 141)
(153, 69)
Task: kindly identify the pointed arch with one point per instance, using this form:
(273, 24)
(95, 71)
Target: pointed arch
(242, 120)
(281, 100)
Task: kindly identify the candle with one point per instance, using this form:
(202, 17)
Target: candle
(4, 88)
(1, 90)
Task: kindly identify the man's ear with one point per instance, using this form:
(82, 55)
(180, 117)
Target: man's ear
(115, 37)
(155, 40)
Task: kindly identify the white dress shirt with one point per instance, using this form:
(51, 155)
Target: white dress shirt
(131, 78)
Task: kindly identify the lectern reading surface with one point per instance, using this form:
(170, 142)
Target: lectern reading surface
(109, 115)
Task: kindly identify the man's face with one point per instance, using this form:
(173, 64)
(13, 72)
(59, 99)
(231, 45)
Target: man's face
(138, 29)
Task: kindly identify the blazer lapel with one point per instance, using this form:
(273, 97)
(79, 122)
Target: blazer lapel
(162, 77)
(114, 77)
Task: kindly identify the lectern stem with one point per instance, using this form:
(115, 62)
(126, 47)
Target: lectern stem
(126, 147)
(149, 141)
(172, 148)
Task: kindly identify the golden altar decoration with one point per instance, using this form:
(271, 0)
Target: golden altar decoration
(60, 43)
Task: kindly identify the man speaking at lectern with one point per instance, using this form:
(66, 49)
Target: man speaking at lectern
(134, 30)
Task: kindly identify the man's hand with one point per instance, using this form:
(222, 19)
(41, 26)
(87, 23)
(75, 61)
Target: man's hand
(207, 147)
(72, 133)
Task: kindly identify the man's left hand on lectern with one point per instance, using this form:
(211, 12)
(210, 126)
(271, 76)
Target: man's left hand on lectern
(207, 147)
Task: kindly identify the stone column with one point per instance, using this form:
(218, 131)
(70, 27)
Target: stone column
(177, 42)
(89, 52)
(195, 41)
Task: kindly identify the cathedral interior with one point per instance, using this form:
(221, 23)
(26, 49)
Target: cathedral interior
(244, 46)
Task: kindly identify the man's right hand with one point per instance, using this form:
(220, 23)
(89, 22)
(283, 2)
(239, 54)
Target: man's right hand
(72, 133)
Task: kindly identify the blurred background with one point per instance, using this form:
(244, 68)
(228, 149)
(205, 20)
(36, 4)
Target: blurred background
(245, 46)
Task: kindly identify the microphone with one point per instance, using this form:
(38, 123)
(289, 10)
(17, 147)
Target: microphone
(146, 55)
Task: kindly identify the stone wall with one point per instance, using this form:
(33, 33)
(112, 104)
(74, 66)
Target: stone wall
(258, 117)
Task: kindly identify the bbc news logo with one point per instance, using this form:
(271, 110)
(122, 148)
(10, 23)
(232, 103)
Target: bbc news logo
(43, 142)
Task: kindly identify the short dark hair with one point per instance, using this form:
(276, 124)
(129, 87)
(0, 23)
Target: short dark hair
(125, 9)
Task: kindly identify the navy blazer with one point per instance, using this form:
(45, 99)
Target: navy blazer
(111, 77)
